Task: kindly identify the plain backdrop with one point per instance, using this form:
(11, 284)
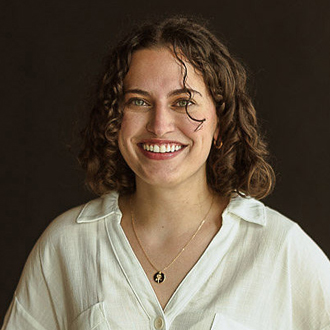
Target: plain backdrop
(51, 53)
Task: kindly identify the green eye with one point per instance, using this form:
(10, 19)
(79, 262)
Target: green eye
(138, 102)
(184, 103)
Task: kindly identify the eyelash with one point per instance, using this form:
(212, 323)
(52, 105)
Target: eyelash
(188, 103)
(133, 101)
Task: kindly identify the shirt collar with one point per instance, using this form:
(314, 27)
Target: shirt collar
(246, 208)
(99, 208)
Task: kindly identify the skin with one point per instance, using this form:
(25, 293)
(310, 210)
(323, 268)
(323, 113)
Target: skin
(153, 114)
(172, 196)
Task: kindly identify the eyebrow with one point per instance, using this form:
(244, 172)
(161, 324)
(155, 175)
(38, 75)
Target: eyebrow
(173, 93)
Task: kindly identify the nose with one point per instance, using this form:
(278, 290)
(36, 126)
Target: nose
(161, 120)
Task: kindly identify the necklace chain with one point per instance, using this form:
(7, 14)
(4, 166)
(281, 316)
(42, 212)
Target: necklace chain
(159, 277)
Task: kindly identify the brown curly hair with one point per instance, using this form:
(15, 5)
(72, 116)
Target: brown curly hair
(239, 166)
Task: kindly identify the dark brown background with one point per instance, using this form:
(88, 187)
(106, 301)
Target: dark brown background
(51, 51)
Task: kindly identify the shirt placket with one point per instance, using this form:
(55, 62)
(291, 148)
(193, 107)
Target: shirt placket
(135, 275)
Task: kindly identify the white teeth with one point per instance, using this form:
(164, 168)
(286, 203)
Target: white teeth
(163, 148)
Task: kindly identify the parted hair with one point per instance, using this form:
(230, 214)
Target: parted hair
(239, 166)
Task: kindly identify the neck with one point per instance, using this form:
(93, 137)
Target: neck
(174, 209)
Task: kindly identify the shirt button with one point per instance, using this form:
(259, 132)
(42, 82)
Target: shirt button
(159, 322)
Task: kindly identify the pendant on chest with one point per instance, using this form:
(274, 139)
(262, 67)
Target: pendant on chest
(159, 277)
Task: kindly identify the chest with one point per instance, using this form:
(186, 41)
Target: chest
(211, 278)
(167, 264)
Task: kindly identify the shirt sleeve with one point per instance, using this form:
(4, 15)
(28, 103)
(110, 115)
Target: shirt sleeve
(310, 282)
(18, 318)
(32, 306)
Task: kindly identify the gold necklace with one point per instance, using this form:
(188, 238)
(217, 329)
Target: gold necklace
(159, 276)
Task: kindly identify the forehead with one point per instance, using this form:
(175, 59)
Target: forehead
(159, 68)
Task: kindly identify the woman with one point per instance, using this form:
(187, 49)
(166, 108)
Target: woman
(177, 239)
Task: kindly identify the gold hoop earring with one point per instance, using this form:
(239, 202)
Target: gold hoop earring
(217, 145)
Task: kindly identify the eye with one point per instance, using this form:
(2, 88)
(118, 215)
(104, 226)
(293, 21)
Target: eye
(137, 102)
(183, 103)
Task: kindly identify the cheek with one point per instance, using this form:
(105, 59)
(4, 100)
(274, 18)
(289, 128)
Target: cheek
(126, 129)
(210, 125)
(214, 124)
(123, 144)
(130, 129)
(188, 126)
(132, 122)
(123, 135)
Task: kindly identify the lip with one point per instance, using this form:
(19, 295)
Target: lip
(160, 141)
(160, 156)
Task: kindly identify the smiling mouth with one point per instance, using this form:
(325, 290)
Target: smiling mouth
(161, 148)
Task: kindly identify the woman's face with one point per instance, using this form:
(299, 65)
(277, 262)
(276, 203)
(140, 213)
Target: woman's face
(157, 139)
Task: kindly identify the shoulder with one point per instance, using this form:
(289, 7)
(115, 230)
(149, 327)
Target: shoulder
(80, 220)
(280, 245)
(255, 214)
(273, 230)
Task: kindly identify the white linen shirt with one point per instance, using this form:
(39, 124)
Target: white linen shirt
(260, 272)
